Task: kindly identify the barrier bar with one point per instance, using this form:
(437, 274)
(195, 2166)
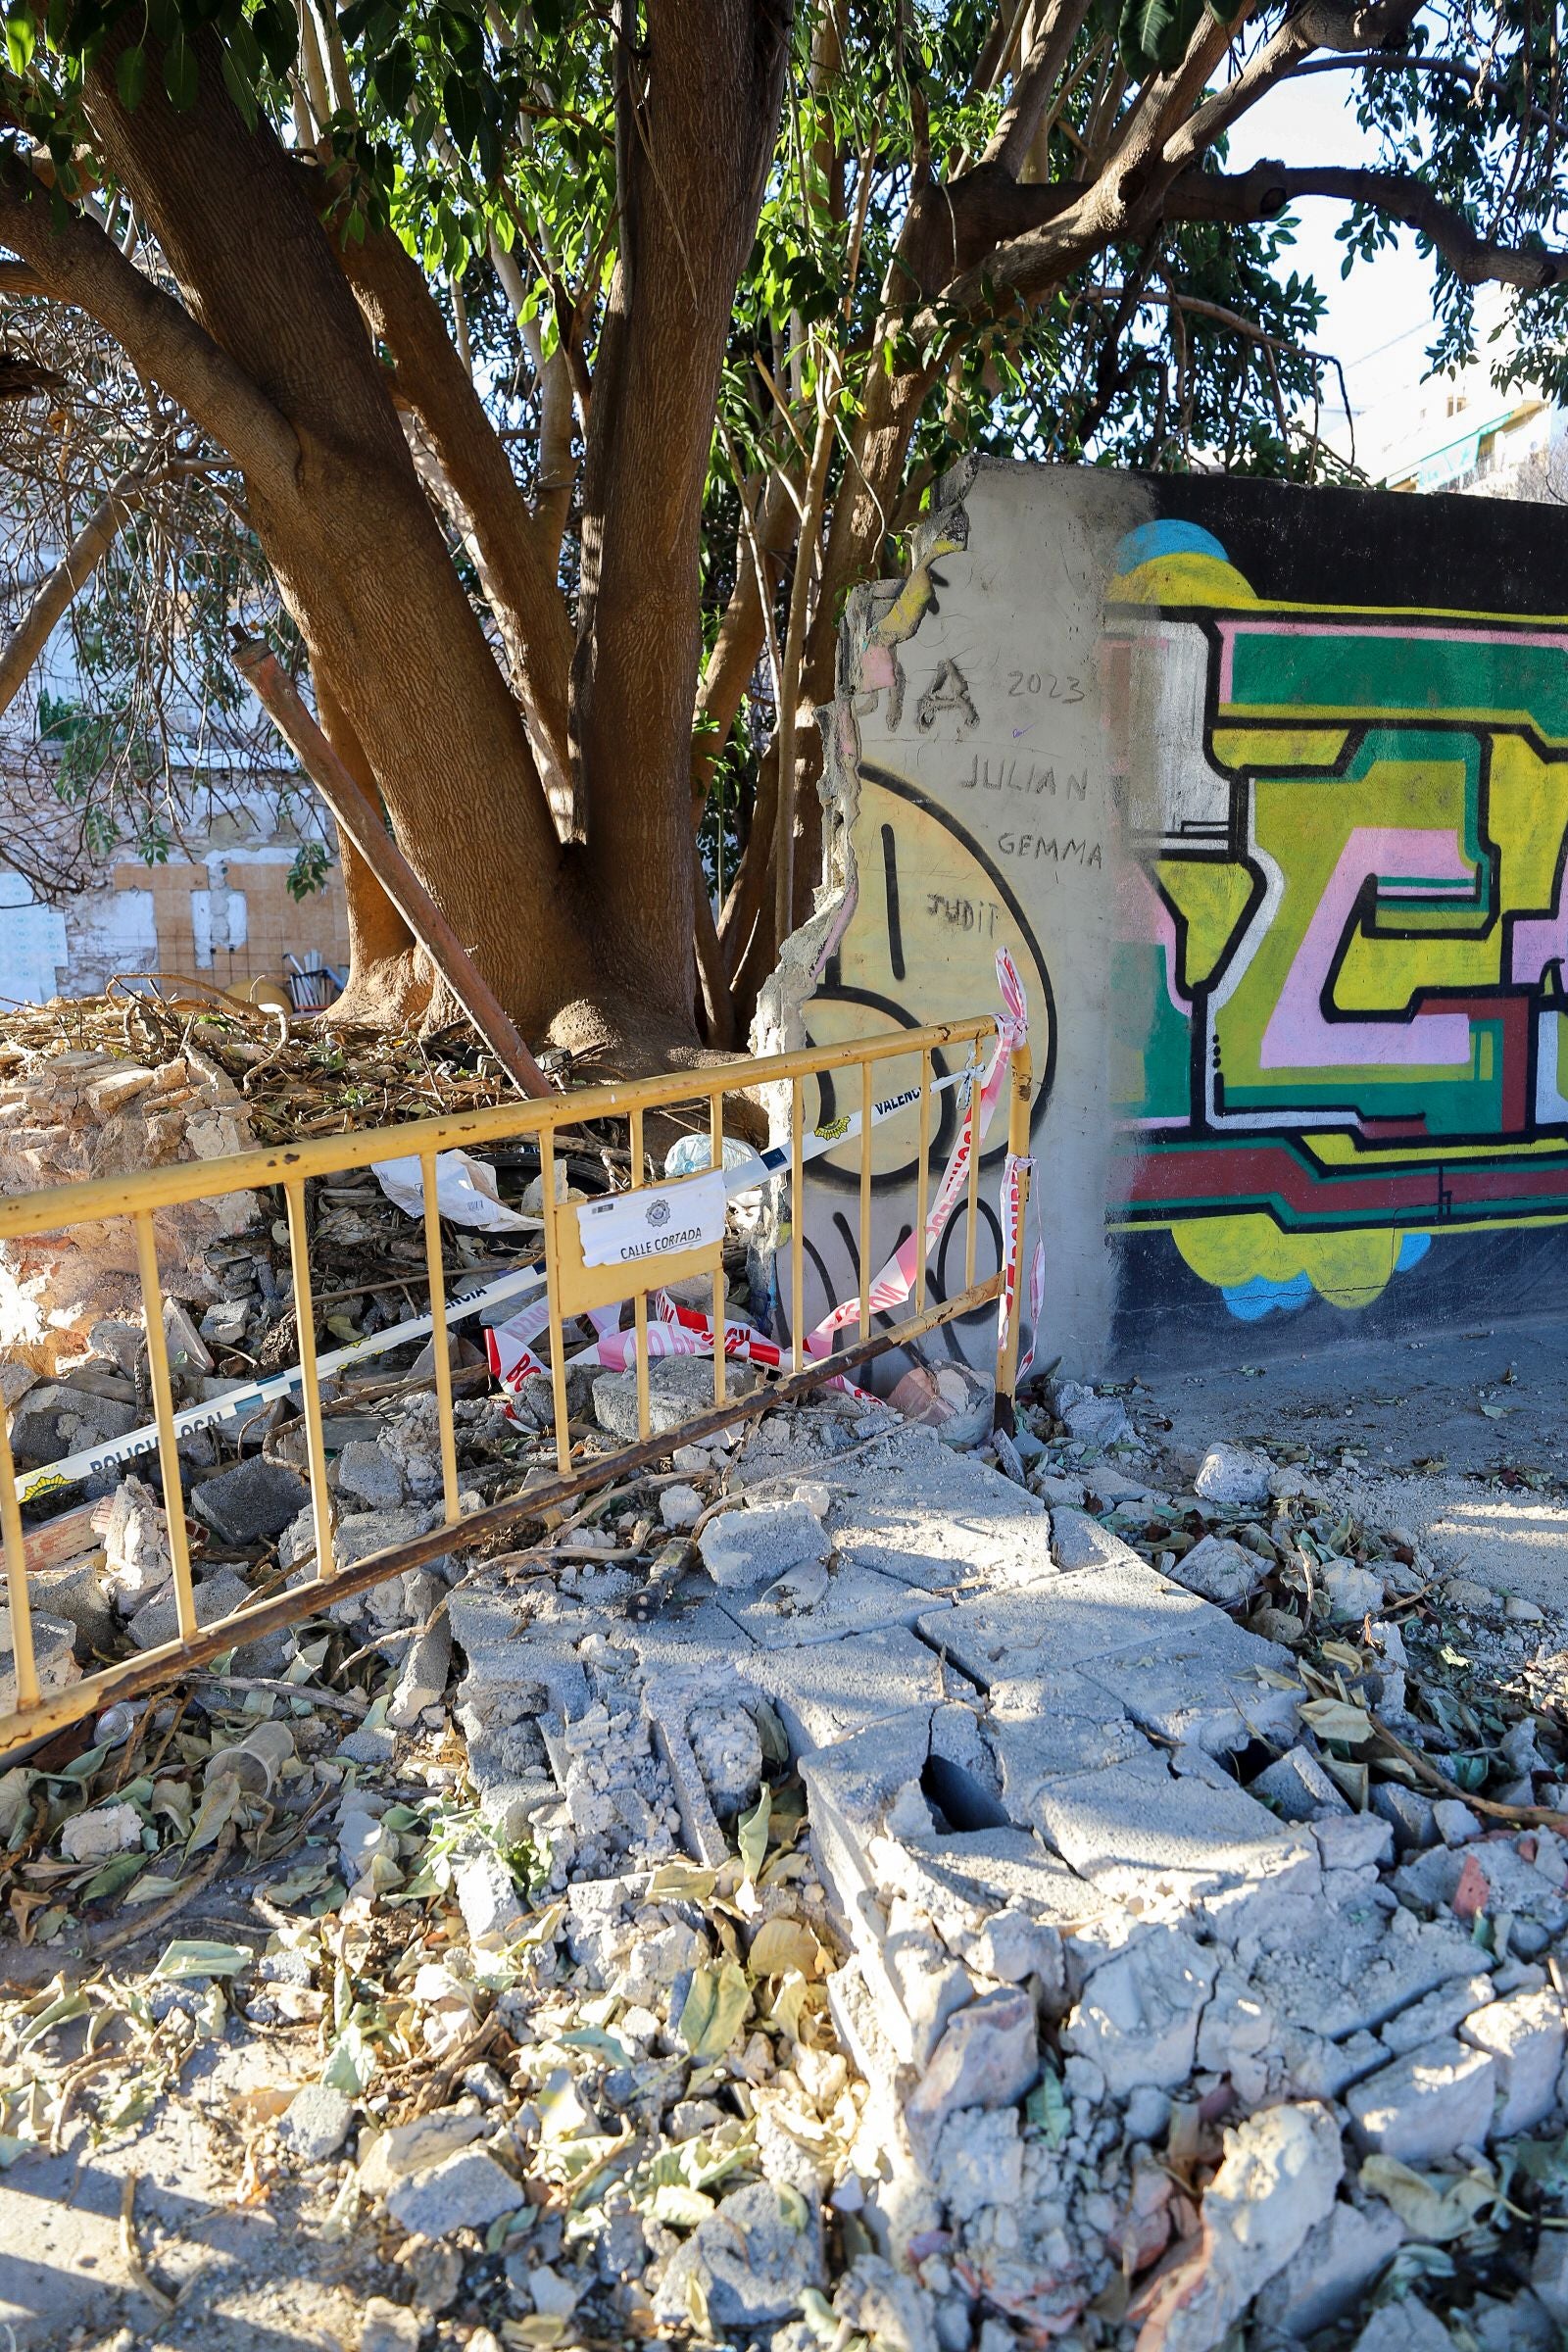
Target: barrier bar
(797, 1228)
(716, 1130)
(16, 1549)
(163, 1415)
(436, 1270)
(299, 1243)
(922, 1204)
(639, 1304)
(866, 1198)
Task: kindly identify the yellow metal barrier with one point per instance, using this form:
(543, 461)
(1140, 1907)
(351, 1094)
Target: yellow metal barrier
(572, 1288)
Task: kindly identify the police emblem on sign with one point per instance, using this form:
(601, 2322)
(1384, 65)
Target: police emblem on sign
(658, 1212)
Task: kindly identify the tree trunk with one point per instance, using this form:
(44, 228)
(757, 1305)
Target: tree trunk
(357, 555)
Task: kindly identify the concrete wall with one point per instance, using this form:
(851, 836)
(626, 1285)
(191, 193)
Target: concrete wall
(1267, 791)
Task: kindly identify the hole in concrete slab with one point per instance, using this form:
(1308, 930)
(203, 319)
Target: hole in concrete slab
(961, 1801)
(1248, 1761)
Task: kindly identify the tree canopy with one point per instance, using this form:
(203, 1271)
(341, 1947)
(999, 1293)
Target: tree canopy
(560, 367)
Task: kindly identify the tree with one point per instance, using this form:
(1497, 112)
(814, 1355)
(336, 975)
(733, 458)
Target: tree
(570, 364)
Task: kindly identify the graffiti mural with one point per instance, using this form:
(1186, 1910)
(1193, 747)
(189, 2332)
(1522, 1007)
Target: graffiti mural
(1341, 1022)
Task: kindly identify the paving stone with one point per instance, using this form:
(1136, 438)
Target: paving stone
(217, 1596)
(1455, 1824)
(833, 1689)
(1426, 2105)
(1298, 1787)
(364, 1533)
(1079, 1542)
(1342, 1976)
(1221, 1571)
(1138, 2015)
(1137, 1833)
(1524, 2034)
(1330, 2273)
(509, 1680)
(1048, 1727)
(1208, 1681)
(250, 1503)
(997, 1899)
(917, 1511)
(852, 1600)
(1065, 1622)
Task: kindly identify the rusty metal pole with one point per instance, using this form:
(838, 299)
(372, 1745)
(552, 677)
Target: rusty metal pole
(355, 816)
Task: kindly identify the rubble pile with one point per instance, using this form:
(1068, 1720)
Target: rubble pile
(867, 1885)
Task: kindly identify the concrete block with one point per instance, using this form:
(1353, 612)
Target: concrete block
(1523, 2033)
(1138, 2016)
(1354, 1840)
(747, 1548)
(1079, 1542)
(1345, 1976)
(423, 1676)
(1427, 2105)
(507, 1681)
(369, 1478)
(1066, 1622)
(1142, 1835)
(1221, 1571)
(75, 1595)
(1329, 2275)
(1298, 1787)
(1207, 1681)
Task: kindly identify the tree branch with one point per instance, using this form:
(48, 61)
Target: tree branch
(75, 262)
(1038, 76)
(1264, 191)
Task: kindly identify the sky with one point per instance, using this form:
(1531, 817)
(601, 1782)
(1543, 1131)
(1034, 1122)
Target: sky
(1383, 312)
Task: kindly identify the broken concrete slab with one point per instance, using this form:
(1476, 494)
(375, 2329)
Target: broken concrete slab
(1049, 1726)
(914, 1510)
(852, 1599)
(830, 1690)
(1064, 1622)
(1138, 2015)
(680, 1389)
(1208, 1681)
(1149, 1838)
(1426, 2106)
(465, 2192)
(1233, 1477)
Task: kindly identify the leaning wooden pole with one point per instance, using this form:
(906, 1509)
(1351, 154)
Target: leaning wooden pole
(354, 815)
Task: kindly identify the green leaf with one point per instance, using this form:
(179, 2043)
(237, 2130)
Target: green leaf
(20, 35)
(183, 1960)
(276, 28)
(131, 77)
(239, 87)
(1046, 2109)
(216, 1812)
(113, 1876)
(714, 2009)
(752, 1832)
(180, 72)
